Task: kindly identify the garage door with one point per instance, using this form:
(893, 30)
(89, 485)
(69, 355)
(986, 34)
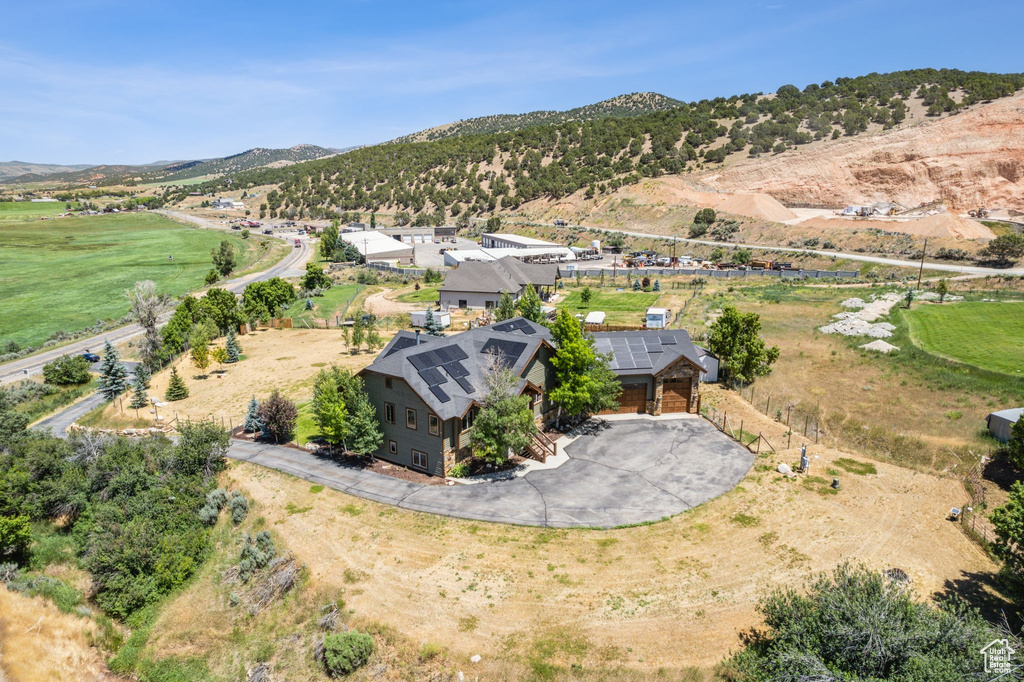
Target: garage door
(675, 396)
(633, 400)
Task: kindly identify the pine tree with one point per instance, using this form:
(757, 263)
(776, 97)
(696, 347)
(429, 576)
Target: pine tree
(657, 285)
(432, 325)
(176, 388)
(113, 374)
(637, 286)
(139, 397)
(364, 436)
(506, 309)
(252, 419)
(231, 345)
(143, 374)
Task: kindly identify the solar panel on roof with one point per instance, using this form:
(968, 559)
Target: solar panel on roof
(443, 354)
(457, 353)
(440, 394)
(455, 369)
(432, 376)
(466, 386)
(401, 343)
(420, 361)
(668, 340)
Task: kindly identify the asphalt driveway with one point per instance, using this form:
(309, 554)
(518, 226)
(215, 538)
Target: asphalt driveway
(618, 473)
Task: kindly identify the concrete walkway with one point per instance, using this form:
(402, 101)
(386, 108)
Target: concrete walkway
(619, 472)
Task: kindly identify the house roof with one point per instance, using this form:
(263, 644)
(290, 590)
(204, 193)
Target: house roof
(646, 351)
(1011, 415)
(507, 274)
(371, 242)
(449, 372)
(516, 239)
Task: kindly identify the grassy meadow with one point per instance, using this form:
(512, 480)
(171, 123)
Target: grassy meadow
(621, 307)
(325, 307)
(986, 335)
(26, 210)
(66, 274)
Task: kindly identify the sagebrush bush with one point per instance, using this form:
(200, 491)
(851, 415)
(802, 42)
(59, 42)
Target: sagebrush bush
(257, 551)
(346, 652)
(239, 507)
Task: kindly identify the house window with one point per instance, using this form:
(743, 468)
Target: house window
(434, 425)
(462, 303)
(389, 382)
(419, 459)
(389, 413)
(392, 447)
(489, 305)
(410, 418)
(467, 421)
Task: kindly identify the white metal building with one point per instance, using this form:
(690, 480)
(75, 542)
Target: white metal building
(374, 246)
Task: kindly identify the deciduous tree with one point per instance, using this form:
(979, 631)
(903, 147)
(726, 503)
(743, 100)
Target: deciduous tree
(584, 383)
(278, 416)
(505, 423)
(736, 340)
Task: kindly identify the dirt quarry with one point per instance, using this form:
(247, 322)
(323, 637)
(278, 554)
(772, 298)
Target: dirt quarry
(939, 225)
(755, 206)
(973, 159)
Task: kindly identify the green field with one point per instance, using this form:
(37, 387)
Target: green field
(325, 307)
(26, 210)
(66, 274)
(982, 334)
(423, 295)
(621, 307)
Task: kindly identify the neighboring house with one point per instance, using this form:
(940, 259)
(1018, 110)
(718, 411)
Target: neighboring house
(222, 203)
(427, 390)
(375, 246)
(478, 284)
(1000, 424)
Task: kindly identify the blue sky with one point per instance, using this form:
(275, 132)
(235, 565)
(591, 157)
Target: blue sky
(103, 81)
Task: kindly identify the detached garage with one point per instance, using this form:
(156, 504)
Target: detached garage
(1000, 424)
(660, 370)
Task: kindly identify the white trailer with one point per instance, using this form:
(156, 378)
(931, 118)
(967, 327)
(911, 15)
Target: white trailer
(419, 318)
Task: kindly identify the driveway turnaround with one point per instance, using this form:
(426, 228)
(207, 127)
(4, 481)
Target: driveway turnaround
(618, 473)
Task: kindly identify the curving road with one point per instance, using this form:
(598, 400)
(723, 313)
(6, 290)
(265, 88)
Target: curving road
(290, 266)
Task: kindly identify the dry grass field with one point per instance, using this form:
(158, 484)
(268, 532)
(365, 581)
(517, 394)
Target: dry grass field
(553, 604)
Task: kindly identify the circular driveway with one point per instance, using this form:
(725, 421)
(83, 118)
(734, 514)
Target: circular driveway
(618, 473)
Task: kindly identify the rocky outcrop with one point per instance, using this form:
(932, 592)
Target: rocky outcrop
(969, 160)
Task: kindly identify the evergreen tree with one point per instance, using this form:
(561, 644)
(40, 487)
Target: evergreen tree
(232, 347)
(530, 305)
(139, 397)
(657, 285)
(328, 407)
(364, 436)
(432, 325)
(113, 375)
(252, 420)
(176, 388)
(637, 286)
(506, 309)
(143, 374)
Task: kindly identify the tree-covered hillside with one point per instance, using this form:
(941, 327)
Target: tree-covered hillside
(623, 106)
(477, 174)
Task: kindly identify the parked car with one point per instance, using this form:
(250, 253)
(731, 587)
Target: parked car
(90, 357)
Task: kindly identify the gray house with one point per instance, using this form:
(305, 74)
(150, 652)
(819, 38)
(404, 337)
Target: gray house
(478, 284)
(1000, 424)
(427, 390)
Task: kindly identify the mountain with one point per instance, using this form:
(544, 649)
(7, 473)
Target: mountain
(623, 106)
(11, 169)
(480, 173)
(170, 172)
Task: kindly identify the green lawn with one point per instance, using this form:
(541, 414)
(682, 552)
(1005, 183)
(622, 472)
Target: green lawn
(26, 210)
(325, 307)
(66, 274)
(424, 295)
(621, 307)
(986, 335)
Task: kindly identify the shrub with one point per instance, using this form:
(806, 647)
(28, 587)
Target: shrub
(66, 371)
(239, 507)
(346, 652)
(257, 551)
(15, 538)
(459, 470)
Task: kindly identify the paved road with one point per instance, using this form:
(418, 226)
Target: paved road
(623, 472)
(963, 269)
(59, 423)
(289, 266)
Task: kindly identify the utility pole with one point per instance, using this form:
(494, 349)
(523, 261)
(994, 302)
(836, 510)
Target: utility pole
(921, 271)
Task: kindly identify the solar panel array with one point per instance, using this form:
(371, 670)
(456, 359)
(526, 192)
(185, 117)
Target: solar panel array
(633, 352)
(401, 343)
(509, 351)
(450, 360)
(516, 325)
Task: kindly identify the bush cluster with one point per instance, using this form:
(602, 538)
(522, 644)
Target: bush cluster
(346, 652)
(257, 551)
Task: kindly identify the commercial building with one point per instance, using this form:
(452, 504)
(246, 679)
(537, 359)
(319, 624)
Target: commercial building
(375, 246)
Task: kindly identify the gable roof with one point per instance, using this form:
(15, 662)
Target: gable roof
(506, 274)
(449, 372)
(646, 351)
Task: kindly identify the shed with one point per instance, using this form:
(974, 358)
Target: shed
(709, 362)
(419, 318)
(1000, 423)
(657, 318)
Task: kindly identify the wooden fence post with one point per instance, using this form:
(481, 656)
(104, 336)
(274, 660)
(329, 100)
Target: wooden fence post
(768, 404)
(806, 419)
